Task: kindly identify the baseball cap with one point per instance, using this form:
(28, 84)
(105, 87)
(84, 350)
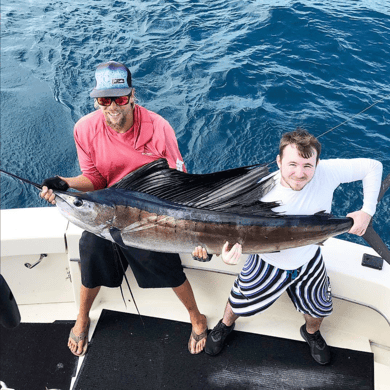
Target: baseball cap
(112, 79)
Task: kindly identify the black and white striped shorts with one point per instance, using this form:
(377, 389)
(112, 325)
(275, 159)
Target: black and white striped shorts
(260, 284)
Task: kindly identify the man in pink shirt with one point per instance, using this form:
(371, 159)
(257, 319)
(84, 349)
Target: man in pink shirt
(111, 142)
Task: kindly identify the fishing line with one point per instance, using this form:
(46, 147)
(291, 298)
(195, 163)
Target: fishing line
(354, 116)
(118, 257)
(347, 120)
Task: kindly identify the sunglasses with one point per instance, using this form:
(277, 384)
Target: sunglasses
(119, 101)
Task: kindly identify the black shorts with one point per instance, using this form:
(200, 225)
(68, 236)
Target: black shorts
(103, 263)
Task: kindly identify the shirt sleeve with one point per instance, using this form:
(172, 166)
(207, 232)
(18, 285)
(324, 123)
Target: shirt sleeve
(87, 165)
(367, 170)
(172, 152)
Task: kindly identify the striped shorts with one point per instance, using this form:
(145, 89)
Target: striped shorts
(260, 284)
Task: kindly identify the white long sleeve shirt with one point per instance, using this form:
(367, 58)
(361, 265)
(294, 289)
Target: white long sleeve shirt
(317, 196)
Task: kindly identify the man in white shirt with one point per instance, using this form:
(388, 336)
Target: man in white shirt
(303, 186)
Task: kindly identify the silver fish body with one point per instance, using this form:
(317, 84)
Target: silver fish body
(148, 222)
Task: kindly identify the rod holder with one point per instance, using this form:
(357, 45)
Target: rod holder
(30, 266)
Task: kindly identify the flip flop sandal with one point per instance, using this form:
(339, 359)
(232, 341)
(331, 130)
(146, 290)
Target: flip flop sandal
(80, 337)
(197, 338)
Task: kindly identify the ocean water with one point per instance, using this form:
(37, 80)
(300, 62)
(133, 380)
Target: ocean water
(230, 76)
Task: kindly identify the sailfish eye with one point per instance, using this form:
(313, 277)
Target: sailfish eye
(78, 202)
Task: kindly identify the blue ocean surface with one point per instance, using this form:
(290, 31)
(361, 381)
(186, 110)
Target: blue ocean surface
(230, 76)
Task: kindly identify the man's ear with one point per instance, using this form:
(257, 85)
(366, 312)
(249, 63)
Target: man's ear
(132, 96)
(278, 161)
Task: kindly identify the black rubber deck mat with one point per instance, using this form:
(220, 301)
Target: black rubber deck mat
(34, 356)
(126, 355)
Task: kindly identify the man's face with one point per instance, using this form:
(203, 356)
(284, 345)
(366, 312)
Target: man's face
(296, 171)
(118, 117)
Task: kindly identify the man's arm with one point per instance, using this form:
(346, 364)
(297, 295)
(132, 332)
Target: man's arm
(372, 178)
(173, 155)
(361, 220)
(80, 183)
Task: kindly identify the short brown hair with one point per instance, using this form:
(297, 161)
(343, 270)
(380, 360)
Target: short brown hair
(303, 140)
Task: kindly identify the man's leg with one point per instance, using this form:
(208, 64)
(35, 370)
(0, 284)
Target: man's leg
(216, 338)
(310, 332)
(100, 266)
(229, 318)
(311, 294)
(87, 297)
(312, 324)
(198, 320)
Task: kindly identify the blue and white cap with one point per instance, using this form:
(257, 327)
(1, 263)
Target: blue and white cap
(112, 79)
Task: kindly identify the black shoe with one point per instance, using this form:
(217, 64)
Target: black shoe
(318, 348)
(216, 338)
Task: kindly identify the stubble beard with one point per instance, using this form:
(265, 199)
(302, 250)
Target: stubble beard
(294, 188)
(116, 125)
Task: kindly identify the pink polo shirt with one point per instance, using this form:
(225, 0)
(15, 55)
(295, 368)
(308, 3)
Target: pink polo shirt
(106, 156)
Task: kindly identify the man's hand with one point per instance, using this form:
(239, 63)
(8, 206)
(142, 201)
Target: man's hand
(200, 254)
(233, 256)
(361, 221)
(48, 195)
(53, 183)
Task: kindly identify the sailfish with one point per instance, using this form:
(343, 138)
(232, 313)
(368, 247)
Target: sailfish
(162, 209)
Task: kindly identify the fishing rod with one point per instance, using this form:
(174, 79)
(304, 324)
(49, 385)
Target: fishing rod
(36, 185)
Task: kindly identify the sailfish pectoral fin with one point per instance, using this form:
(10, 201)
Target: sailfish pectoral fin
(116, 236)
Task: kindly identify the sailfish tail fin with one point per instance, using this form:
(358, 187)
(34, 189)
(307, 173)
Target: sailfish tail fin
(384, 187)
(371, 236)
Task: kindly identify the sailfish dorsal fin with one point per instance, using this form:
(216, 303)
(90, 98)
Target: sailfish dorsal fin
(235, 190)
